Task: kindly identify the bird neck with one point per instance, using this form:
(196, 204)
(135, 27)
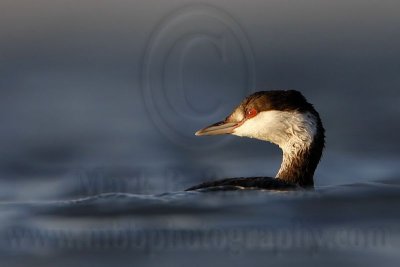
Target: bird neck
(300, 161)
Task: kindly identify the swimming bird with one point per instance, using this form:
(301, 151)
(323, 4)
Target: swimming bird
(284, 118)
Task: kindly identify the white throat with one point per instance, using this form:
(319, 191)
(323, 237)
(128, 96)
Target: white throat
(292, 131)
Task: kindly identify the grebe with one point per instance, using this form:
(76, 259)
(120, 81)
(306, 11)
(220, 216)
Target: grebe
(282, 117)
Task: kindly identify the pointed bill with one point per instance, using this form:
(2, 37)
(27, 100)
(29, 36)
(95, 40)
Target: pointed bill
(221, 127)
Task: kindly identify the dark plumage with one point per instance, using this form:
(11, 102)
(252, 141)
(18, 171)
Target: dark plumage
(300, 158)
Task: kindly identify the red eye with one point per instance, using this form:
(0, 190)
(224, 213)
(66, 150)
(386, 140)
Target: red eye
(251, 113)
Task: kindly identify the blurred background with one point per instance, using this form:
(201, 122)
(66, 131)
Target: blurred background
(99, 102)
(105, 96)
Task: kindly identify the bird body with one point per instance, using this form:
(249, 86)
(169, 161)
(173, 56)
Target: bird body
(282, 117)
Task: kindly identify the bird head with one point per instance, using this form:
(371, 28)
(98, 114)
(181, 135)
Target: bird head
(283, 117)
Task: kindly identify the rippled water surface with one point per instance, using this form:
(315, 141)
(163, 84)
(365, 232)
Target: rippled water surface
(99, 102)
(331, 225)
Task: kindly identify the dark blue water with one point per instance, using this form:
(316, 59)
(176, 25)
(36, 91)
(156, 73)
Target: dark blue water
(355, 223)
(99, 102)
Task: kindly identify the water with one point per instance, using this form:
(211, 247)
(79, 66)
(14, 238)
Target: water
(99, 102)
(336, 224)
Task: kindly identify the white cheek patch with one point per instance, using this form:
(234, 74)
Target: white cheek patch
(284, 128)
(265, 126)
